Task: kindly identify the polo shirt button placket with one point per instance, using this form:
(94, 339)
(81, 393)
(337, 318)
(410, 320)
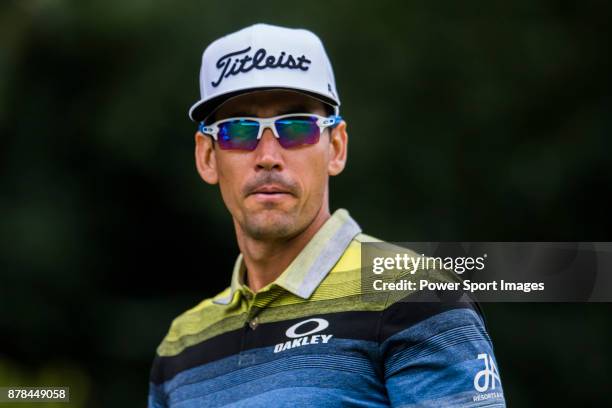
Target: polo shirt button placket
(252, 321)
(245, 357)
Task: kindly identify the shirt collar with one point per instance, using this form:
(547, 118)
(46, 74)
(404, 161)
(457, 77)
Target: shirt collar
(311, 265)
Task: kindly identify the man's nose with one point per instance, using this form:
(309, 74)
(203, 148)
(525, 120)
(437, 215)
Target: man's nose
(269, 152)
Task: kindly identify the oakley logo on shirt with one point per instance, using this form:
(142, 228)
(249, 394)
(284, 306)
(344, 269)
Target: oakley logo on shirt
(307, 337)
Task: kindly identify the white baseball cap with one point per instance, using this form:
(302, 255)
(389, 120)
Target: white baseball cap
(262, 57)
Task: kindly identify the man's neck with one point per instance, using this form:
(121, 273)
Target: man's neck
(266, 260)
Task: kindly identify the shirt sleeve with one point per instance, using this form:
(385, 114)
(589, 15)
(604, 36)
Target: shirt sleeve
(156, 397)
(437, 353)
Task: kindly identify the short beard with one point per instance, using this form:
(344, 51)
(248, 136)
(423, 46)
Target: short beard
(266, 227)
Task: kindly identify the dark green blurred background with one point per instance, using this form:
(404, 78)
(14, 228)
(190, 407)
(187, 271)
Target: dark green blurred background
(468, 121)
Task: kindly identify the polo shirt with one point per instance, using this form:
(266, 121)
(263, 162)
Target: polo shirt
(311, 339)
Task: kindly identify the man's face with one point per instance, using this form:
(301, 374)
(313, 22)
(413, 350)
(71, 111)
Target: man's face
(273, 192)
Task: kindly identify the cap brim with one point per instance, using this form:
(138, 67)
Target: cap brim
(200, 110)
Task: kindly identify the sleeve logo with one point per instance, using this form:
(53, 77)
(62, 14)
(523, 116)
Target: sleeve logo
(486, 379)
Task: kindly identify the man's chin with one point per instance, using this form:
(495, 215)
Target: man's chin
(270, 223)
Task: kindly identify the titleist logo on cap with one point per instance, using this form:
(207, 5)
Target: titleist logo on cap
(259, 60)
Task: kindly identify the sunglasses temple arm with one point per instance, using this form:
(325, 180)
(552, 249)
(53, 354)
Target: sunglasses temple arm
(208, 130)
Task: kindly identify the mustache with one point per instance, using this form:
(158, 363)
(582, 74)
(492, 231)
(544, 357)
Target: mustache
(263, 179)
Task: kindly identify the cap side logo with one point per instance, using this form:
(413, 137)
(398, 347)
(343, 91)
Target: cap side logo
(259, 60)
(330, 89)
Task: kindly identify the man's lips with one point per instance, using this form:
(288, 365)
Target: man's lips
(270, 193)
(270, 190)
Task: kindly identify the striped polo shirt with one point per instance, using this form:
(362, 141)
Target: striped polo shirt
(310, 339)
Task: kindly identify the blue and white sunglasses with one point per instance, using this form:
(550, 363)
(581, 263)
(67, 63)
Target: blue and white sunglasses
(291, 130)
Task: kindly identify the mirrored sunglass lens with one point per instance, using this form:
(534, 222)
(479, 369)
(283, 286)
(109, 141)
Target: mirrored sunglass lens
(297, 130)
(238, 134)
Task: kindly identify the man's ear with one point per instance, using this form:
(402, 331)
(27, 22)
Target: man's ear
(206, 160)
(338, 144)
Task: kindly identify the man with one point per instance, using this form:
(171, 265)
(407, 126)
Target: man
(293, 328)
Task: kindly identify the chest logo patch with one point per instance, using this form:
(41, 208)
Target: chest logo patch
(303, 334)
